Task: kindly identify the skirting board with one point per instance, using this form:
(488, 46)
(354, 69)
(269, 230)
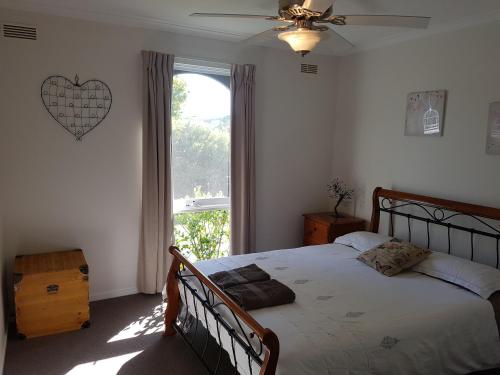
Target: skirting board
(113, 294)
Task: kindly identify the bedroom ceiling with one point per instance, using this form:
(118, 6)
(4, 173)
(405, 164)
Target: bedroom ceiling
(173, 15)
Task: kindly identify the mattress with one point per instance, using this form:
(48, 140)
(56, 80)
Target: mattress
(350, 319)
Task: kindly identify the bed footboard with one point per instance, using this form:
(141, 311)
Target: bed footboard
(212, 299)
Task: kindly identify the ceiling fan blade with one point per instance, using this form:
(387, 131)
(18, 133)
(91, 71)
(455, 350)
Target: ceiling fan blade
(234, 15)
(385, 20)
(262, 37)
(337, 41)
(327, 13)
(318, 5)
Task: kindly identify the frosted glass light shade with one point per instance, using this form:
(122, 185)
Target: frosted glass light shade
(302, 41)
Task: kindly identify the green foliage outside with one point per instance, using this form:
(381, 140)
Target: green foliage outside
(200, 169)
(204, 234)
(200, 159)
(200, 151)
(179, 96)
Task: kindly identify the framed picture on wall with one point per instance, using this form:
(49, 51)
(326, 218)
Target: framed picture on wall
(493, 140)
(425, 113)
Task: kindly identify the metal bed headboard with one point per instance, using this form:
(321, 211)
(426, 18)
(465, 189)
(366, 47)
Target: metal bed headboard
(435, 211)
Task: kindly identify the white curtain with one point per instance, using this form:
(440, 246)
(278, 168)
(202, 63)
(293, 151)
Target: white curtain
(242, 159)
(157, 221)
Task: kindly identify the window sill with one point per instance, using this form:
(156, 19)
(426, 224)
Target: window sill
(203, 208)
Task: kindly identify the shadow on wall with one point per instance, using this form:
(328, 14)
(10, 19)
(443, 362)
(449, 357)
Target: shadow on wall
(3, 309)
(344, 135)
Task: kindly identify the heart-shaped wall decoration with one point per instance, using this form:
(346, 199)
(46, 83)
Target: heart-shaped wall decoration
(78, 108)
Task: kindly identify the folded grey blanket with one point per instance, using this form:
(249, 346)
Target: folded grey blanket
(261, 294)
(241, 275)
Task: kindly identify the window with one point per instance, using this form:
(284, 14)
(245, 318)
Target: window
(201, 159)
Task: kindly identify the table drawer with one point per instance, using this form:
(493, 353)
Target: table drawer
(315, 233)
(324, 227)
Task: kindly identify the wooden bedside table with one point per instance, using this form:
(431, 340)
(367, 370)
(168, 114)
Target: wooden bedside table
(323, 228)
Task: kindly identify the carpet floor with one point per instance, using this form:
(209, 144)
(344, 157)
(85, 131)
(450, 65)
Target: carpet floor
(125, 337)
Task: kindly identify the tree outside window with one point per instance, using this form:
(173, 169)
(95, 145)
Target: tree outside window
(200, 166)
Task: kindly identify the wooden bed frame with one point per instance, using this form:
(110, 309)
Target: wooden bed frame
(267, 337)
(433, 211)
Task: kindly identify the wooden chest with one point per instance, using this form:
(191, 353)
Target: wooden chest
(51, 293)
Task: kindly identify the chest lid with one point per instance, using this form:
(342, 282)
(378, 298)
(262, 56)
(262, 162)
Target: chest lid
(51, 262)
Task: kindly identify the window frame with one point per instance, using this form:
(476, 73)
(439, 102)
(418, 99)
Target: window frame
(201, 67)
(209, 69)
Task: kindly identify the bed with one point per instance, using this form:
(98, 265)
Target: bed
(348, 318)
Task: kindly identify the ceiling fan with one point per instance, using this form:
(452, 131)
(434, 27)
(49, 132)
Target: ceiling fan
(307, 26)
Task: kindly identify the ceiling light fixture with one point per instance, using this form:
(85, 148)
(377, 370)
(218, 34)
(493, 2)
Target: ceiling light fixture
(306, 24)
(301, 40)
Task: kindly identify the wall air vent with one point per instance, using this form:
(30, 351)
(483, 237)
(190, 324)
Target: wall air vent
(11, 30)
(309, 68)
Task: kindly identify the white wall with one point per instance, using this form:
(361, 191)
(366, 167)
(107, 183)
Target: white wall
(65, 194)
(3, 321)
(370, 148)
(293, 146)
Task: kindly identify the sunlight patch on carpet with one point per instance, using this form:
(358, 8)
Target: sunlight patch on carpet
(108, 366)
(144, 325)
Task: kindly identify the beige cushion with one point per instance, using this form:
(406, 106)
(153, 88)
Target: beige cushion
(392, 257)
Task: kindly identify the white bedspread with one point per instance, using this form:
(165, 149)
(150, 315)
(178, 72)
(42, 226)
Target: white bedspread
(349, 319)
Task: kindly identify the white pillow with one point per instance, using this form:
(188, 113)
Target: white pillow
(362, 241)
(478, 278)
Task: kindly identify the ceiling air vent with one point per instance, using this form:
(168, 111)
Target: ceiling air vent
(309, 68)
(11, 30)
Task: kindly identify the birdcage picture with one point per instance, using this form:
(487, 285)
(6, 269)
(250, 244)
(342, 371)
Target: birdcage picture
(493, 140)
(425, 113)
